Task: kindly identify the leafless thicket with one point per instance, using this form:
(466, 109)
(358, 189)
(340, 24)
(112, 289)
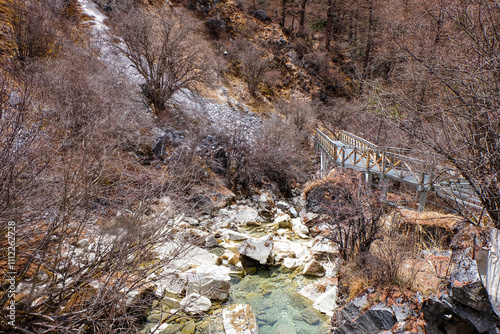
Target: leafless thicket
(445, 92)
(162, 47)
(78, 198)
(353, 213)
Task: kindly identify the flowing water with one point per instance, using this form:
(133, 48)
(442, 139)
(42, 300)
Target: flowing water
(278, 307)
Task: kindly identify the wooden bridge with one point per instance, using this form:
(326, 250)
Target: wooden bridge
(429, 173)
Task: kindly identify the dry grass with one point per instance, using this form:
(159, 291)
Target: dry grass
(448, 221)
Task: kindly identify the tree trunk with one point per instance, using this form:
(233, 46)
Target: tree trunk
(329, 24)
(302, 15)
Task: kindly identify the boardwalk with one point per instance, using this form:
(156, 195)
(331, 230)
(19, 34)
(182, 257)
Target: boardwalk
(347, 150)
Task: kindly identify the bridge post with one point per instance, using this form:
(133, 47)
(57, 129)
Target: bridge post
(322, 164)
(368, 175)
(422, 192)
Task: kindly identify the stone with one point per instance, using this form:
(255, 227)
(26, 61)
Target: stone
(285, 249)
(194, 303)
(245, 215)
(234, 235)
(293, 212)
(173, 284)
(239, 319)
(323, 294)
(324, 249)
(262, 16)
(211, 281)
(259, 249)
(467, 287)
(283, 221)
(350, 311)
(455, 317)
(309, 315)
(298, 228)
(282, 205)
(211, 242)
(313, 268)
(189, 327)
(376, 319)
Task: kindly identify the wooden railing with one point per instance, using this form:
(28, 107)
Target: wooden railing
(431, 174)
(362, 155)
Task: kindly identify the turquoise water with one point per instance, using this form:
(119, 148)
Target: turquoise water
(278, 307)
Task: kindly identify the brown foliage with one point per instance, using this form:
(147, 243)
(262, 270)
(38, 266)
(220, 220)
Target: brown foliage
(353, 213)
(161, 46)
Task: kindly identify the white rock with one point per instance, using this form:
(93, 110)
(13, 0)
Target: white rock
(293, 212)
(239, 319)
(212, 282)
(211, 242)
(244, 215)
(234, 235)
(323, 294)
(283, 249)
(259, 249)
(282, 205)
(299, 228)
(173, 284)
(324, 249)
(283, 221)
(194, 303)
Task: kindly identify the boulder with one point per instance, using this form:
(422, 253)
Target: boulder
(240, 215)
(210, 281)
(283, 221)
(239, 319)
(467, 287)
(262, 16)
(455, 317)
(194, 303)
(298, 228)
(259, 249)
(323, 294)
(376, 319)
(285, 249)
(313, 268)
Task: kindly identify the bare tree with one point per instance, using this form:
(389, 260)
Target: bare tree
(84, 244)
(445, 92)
(353, 212)
(33, 29)
(253, 64)
(162, 48)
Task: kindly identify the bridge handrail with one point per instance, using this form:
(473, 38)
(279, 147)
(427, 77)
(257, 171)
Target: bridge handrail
(376, 149)
(425, 174)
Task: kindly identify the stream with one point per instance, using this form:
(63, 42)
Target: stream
(277, 305)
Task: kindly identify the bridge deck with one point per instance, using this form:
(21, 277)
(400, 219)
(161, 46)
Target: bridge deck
(356, 153)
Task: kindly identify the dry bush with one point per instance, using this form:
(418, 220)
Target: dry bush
(162, 47)
(385, 264)
(35, 28)
(252, 64)
(353, 213)
(274, 154)
(298, 112)
(62, 170)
